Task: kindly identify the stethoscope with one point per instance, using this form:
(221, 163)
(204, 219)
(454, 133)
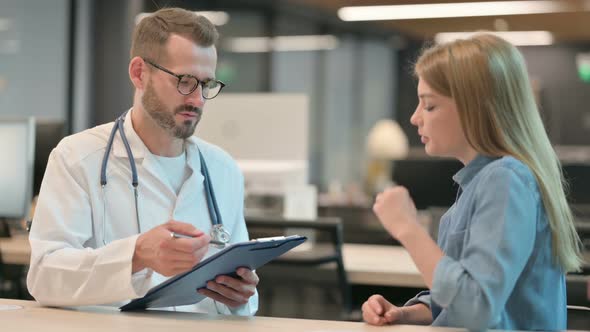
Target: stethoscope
(218, 232)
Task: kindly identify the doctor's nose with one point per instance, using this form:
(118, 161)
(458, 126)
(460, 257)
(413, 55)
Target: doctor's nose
(195, 98)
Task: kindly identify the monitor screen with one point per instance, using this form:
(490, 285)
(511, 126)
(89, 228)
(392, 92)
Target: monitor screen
(17, 145)
(258, 126)
(47, 135)
(266, 133)
(429, 181)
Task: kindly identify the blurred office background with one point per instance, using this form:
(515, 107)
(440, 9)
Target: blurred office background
(64, 62)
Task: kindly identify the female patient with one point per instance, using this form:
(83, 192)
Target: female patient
(508, 240)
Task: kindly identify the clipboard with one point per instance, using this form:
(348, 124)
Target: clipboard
(182, 289)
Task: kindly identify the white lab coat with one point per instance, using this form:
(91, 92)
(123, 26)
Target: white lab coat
(71, 266)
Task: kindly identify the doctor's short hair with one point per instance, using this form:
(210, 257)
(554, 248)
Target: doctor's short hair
(152, 32)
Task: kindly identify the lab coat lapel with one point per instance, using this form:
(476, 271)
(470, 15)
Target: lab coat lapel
(137, 147)
(190, 205)
(194, 163)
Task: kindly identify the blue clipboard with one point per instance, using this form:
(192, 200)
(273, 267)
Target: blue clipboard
(182, 289)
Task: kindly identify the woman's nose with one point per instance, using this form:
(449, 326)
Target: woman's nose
(415, 119)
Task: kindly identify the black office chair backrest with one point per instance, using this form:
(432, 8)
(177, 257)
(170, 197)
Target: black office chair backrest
(326, 247)
(326, 231)
(578, 317)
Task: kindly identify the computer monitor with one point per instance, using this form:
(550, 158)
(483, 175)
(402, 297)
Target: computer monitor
(47, 135)
(267, 134)
(17, 147)
(429, 180)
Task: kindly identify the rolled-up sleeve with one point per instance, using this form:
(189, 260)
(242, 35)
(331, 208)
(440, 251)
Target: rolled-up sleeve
(422, 297)
(473, 288)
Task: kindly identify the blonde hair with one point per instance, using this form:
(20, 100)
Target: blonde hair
(152, 32)
(487, 78)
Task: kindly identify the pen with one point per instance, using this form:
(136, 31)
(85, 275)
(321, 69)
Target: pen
(182, 236)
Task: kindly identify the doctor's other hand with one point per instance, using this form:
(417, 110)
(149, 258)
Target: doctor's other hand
(396, 210)
(378, 311)
(158, 250)
(233, 292)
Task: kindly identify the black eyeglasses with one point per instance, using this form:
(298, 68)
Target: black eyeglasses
(188, 83)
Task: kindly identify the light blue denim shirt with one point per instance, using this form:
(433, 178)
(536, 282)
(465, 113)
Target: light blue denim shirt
(497, 271)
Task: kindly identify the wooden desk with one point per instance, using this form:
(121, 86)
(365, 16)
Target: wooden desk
(380, 265)
(15, 250)
(34, 318)
(364, 263)
(392, 266)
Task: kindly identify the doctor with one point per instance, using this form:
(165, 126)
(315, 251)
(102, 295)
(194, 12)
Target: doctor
(113, 196)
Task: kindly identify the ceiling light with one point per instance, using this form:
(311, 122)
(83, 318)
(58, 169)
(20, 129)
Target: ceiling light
(501, 24)
(519, 38)
(217, 18)
(304, 43)
(462, 9)
(247, 44)
(280, 43)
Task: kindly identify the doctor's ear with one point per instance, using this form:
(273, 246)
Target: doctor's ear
(138, 72)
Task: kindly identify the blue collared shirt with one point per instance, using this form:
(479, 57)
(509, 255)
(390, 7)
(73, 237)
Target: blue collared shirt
(498, 270)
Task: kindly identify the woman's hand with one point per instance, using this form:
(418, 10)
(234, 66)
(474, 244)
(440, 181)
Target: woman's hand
(378, 311)
(396, 211)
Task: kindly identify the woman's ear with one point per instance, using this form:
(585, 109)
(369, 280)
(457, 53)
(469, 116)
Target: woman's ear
(137, 72)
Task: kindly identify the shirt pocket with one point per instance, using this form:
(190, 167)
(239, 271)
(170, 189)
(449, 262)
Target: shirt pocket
(454, 244)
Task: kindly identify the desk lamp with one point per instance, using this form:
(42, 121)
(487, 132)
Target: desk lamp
(386, 142)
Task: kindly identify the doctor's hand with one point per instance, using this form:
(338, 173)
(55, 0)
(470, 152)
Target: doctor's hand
(396, 211)
(159, 251)
(233, 292)
(378, 311)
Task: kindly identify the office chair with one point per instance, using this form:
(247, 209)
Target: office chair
(12, 283)
(312, 266)
(360, 224)
(578, 317)
(13, 276)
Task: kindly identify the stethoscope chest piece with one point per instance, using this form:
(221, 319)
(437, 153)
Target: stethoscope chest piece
(218, 233)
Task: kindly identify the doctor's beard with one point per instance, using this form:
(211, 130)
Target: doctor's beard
(165, 119)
